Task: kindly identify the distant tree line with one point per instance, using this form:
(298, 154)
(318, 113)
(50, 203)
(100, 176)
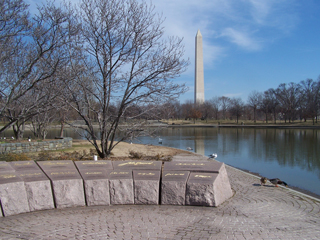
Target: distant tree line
(288, 103)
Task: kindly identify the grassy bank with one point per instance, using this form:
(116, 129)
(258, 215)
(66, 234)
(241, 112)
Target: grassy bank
(83, 150)
(210, 122)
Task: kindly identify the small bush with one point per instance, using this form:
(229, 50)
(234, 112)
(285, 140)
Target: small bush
(136, 155)
(167, 158)
(74, 156)
(158, 156)
(11, 157)
(44, 156)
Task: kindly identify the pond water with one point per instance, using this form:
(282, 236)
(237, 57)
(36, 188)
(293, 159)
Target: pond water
(293, 155)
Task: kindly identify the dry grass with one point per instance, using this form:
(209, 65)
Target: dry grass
(83, 150)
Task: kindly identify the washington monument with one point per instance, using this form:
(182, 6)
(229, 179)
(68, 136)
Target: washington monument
(199, 78)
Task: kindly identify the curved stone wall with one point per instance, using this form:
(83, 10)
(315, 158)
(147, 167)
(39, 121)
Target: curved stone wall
(35, 146)
(31, 186)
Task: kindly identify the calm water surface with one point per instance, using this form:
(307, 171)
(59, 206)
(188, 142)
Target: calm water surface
(292, 155)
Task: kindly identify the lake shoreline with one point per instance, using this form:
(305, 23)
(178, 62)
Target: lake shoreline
(244, 126)
(297, 189)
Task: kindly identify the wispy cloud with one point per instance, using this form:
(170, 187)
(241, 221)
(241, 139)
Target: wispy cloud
(241, 38)
(277, 14)
(248, 24)
(233, 95)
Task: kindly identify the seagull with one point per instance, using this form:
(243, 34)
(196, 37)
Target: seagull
(213, 155)
(160, 140)
(189, 148)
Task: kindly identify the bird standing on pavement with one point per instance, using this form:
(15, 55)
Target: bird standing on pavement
(213, 155)
(277, 181)
(263, 181)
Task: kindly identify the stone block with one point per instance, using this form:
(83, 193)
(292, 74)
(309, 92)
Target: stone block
(137, 165)
(222, 186)
(13, 195)
(200, 189)
(198, 166)
(208, 189)
(67, 186)
(146, 186)
(24, 166)
(56, 165)
(6, 167)
(121, 187)
(173, 187)
(38, 188)
(96, 185)
(101, 164)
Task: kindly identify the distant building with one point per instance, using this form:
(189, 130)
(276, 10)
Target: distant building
(199, 77)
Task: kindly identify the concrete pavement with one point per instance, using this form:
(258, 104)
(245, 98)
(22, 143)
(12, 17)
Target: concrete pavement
(254, 212)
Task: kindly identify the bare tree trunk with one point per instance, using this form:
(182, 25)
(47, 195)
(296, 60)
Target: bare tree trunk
(61, 128)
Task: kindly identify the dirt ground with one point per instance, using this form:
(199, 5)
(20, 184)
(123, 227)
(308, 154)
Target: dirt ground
(123, 149)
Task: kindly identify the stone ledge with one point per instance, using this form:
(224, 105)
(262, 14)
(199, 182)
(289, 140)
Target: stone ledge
(60, 184)
(35, 146)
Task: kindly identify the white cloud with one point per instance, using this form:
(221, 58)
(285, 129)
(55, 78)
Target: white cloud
(240, 22)
(241, 38)
(233, 95)
(260, 10)
(277, 14)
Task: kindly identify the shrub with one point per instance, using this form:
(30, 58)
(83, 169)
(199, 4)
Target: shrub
(74, 156)
(137, 155)
(10, 157)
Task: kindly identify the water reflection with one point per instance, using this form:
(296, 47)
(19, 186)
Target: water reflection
(289, 154)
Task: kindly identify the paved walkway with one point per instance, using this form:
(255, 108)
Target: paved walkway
(254, 212)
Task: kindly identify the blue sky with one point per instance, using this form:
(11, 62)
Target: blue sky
(248, 44)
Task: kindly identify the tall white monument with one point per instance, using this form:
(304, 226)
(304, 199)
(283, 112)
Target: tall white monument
(199, 77)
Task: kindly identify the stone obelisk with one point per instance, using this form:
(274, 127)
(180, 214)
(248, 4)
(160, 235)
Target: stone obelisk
(199, 77)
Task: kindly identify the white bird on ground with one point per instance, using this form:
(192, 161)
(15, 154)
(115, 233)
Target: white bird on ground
(213, 155)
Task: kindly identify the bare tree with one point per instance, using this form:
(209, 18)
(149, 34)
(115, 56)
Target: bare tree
(236, 108)
(310, 98)
(169, 110)
(289, 99)
(273, 103)
(127, 62)
(195, 114)
(14, 24)
(215, 104)
(186, 109)
(225, 103)
(206, 110)
(254, 99)
(35, 61)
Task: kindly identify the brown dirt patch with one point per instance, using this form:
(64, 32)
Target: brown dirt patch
(122, 151)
